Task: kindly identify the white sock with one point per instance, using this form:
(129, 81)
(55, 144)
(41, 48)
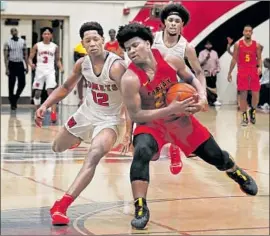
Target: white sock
(37, 101)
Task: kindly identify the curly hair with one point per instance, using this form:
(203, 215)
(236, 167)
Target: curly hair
(92, 25)
(132, 30)
(175, 7)
(46, 28)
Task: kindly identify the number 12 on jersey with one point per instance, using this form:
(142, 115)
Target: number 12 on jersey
(101, 99)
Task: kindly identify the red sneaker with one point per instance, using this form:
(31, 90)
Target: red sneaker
(176, 162)
(59, 210)
(53, 117)
(58, 214)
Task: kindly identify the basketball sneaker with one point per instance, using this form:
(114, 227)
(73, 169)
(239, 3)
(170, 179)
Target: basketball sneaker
(59, 210)
(142, 214)
(246, 182)
(244, 121)
(252, 116)
(176, 162)
(53, 117)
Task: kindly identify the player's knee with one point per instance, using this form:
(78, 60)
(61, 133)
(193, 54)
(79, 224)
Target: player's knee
(94, 156)
(145, 148)
(56, 147)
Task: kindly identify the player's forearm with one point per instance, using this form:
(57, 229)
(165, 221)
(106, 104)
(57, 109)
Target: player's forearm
(259, 63)
(229, 49)
(200, 76)
(232, 65)
(30, 60)
(129, 123)
(59, 65)
(56, 96)
(149, 115)
(6, 61)
(200, 89)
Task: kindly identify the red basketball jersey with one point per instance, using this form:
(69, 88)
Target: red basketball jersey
(154, 92)
(247, 55)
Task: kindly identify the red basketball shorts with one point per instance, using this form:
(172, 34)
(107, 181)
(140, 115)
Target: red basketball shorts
(186, 132)
(248, 79)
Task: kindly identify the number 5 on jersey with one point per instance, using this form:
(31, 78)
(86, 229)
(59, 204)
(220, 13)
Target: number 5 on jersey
(101, 98)
(247, 58)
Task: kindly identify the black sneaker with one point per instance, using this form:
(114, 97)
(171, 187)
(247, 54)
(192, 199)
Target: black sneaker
(244, 121)
(246, 182)
(142, 214)
(252, 116)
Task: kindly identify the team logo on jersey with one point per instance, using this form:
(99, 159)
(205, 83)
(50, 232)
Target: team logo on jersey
(37, 84)
(71, 123)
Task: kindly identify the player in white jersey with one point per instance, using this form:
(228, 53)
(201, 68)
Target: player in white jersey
(98, 120)
(47, 54)
(174, 16)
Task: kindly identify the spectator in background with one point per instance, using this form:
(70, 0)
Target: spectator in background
(79, 51)
(209, 61)
(15, 56)
(265, 87)
(113, 45)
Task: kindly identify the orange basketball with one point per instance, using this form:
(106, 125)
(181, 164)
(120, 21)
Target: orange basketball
(182, 90)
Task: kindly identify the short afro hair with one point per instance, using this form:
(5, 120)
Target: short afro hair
(133, 30)
(91, 26)
(42, 30)
(175, 7)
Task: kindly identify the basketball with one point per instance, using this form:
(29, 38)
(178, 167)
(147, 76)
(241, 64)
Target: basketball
(182, 90)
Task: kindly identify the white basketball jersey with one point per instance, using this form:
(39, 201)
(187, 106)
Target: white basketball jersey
(103, 102)
(46, 56)
(177, 50)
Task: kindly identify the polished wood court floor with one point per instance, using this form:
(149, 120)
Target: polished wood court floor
(199, 201)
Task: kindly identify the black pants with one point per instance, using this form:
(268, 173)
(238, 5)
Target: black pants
(264, 94)
(145, 147)
(16, 70)
(211, 83)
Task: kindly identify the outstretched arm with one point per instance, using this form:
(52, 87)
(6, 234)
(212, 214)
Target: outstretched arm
(195, 64)
(181, 69)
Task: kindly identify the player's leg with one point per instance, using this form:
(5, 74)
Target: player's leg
(145, 147)
(64, 140)
(211, 153)
(243, 87)
(101, 144)
(243, 107)
(38, 87)
(255, 90)
(194, 137)
(50, 86)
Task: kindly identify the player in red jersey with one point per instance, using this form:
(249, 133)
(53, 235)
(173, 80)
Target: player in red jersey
(144, 86)
(247, 55)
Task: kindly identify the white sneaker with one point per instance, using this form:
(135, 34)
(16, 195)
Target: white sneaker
(217, 103)
(265, 106)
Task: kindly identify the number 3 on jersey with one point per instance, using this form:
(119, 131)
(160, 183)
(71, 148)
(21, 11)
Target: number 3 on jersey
(247, 58)
(45, 60)
(101, 98)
